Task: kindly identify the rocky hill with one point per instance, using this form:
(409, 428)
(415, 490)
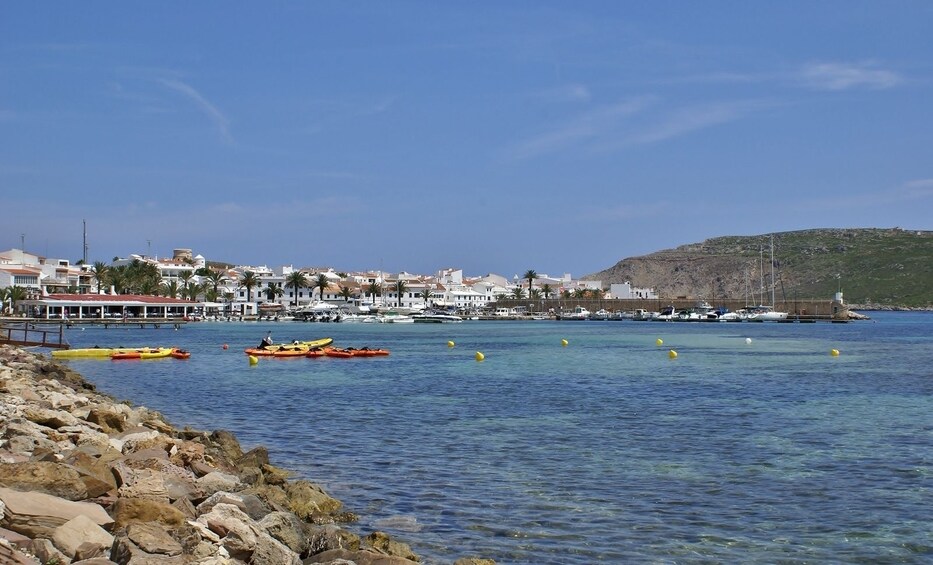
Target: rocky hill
(873, 267)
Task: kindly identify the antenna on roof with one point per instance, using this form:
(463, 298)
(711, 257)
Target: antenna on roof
(85, 240)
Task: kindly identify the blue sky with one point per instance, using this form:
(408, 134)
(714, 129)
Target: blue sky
(489, 136)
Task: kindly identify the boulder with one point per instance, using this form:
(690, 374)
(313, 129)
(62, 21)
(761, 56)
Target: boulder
(309, 501)
(51, 478)
(359, 557)
(36, 514)
(383, 543)
(329, 536)
(70, 537)
(216, 482)
(286, 528)
(128, 511)
(152, 538)
(46, 551)
(251, 504)
(110, 419)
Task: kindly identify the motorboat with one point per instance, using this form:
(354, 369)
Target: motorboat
(436, 317)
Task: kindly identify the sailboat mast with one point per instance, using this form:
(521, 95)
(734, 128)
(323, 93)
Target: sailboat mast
(772, 271)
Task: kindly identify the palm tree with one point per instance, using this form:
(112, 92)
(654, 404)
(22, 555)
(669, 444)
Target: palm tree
(580, 293)
(99, 270)
(374, 290)
(194, 289)
(535, 294)
(14, 294)
(400, 287)
(321, 282)
(170, 289)
(518, 292)
(214, 278)
(566, 293)
(547, 291)
(426, 295)
(249, 280)
(346, 292)
(296, 280)
(185, 278)
(530, 275)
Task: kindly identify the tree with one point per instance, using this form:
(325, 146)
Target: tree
(535, 294)
(184, 278)
(170, 289)
(14, 294)
(565, 294)
(518, 293)
(374, 290)
(426, 295)
(296, 280)
(530, 275)
(547, 291)
(321, 282)
(580, 293)
(400, 287)
(100, 270)
(346, 292)
(249, 281)
(214, 278)
(194, 289)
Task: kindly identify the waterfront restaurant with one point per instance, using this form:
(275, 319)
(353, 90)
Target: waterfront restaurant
(104, 306)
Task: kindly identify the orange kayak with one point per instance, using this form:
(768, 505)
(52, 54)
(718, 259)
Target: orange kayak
(180, 354)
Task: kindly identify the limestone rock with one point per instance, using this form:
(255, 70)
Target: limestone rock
(361, 557)
(51, 478)
(152, 538)
(46, 551)
(286, 528)
(382, 542)
(308, 500)
(329, 536)
(128, 511)
(217, 482)
(70, 536)
(36, 514)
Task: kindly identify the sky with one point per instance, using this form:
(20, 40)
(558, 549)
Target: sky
(489, 136)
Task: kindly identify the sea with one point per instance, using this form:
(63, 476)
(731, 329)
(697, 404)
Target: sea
(579, 442)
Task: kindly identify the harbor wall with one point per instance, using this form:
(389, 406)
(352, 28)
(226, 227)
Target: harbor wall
(809, 308)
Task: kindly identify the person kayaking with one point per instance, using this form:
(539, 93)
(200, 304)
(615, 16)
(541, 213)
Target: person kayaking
(266, 341)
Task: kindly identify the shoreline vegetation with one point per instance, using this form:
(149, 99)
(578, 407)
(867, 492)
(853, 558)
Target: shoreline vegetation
(85, 478)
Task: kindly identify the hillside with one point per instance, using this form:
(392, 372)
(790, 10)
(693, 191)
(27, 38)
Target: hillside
(878, 267)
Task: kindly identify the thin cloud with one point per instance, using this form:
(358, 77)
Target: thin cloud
(566, 93)
(215, 115)
(687, 120)
(584, 128)
(844, 76)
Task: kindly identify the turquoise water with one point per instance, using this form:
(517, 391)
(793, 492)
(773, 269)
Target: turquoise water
(605, 450)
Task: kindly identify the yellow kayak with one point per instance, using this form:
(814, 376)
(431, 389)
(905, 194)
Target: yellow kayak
(144, 353)
(92, 352)
(317, 343)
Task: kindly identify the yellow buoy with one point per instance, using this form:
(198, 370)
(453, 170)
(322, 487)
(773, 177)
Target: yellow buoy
(659, 341)
(834, 353)
(672, 354)
(253, 359)
(480, 356)
(564, 342)
(450, 344)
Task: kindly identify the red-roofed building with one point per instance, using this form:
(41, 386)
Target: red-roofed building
(102, 306)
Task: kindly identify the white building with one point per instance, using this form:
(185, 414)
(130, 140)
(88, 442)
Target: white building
(627, 291)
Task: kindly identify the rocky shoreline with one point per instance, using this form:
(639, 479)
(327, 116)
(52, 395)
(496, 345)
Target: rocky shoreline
(87, 479)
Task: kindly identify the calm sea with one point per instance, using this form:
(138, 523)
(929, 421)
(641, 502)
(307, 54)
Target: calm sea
(603, 450)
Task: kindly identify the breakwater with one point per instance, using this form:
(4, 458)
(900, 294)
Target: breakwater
(83, 476)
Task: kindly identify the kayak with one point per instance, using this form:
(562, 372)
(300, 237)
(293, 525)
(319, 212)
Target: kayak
(284, 350)
(366, 352)
(144, 353)
(317, 352)
(324, 342)
(91, 352)
(180, 354)
(334, 352)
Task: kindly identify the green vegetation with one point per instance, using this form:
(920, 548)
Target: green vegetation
(882, 267)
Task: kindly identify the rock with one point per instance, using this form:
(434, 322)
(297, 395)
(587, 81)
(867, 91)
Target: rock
(128, 511)
(70, 536)
(51, 478)
(217, 482)
(308, 500)
(35, 514)
(383, 543)
(46, 551)
(9, 555)
(329, 536)
(110, 419)
(237, 531)
(152, 538)
(474, 561)
(50, 418)
(360, 557)
(286, 528)
(248, 503)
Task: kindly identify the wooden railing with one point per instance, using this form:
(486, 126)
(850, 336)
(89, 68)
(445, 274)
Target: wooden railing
(27, 334)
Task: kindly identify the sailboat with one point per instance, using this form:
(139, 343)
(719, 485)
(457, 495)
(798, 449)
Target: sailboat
(762, 313)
